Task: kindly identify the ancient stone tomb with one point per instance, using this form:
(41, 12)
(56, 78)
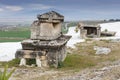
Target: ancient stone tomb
(89, 31)
(47, 44)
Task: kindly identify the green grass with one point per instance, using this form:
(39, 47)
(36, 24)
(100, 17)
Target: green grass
(6, 75)
(12, 63)
(10, 40)
(20, 34)
(78, 62)
(84, 56)
(14, 35)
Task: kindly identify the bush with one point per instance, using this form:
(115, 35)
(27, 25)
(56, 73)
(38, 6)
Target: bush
(76, 29)
(106, 30)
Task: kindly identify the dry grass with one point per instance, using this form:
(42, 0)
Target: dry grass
(84, 56)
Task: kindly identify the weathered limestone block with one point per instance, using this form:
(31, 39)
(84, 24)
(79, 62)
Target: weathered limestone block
(44, 63)
(27, 54)
(62, 54)
(53, 56)
(45, 31)
(35, 30)
(83, 34)
(37, 44)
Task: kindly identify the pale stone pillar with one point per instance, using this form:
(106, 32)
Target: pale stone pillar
(84, 34)
(38, 62)
(22, 62)
(98, 31)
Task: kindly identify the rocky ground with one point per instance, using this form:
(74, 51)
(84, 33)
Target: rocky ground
(111, 71)
(107, 67)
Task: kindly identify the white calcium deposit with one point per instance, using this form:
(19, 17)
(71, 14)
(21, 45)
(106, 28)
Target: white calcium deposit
(8, 49)
(75, 37)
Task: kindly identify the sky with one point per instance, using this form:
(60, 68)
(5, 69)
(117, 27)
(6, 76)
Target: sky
(27, 10)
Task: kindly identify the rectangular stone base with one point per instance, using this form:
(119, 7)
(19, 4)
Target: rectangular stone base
(52, 56)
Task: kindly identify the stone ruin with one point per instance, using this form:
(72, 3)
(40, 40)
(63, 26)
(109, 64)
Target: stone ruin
(93, 31)
(47, 44)
(89, 31)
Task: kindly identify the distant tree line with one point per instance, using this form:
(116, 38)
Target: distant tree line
(114, 19)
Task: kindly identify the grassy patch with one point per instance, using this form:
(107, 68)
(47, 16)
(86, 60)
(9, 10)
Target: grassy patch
(84, 56)
(14, 62)
(14, 35)
(11, 39)
(20, 34)
(78, 62)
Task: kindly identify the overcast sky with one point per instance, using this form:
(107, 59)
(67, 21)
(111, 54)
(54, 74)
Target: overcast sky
(26, 10)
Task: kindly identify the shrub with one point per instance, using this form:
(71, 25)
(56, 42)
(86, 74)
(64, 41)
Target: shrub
(5, 75)
(76, 29)
(106, 30)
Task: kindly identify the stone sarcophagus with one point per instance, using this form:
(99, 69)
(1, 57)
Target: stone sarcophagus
(47, 43)
(89, 31)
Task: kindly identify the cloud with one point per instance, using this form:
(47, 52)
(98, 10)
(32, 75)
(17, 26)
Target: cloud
(24, 7)
(39, 6)
(14, 8)
(1, 9)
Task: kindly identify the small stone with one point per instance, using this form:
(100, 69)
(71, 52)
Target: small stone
(102, 50)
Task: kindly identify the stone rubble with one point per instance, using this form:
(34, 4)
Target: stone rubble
(102, 50)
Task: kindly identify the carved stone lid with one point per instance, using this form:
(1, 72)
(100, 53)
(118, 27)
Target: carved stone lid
(51, 16)
(48, 44)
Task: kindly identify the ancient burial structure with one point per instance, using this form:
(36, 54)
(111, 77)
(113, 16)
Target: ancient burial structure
(47, 44)
(108, 33)
(89, 31)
